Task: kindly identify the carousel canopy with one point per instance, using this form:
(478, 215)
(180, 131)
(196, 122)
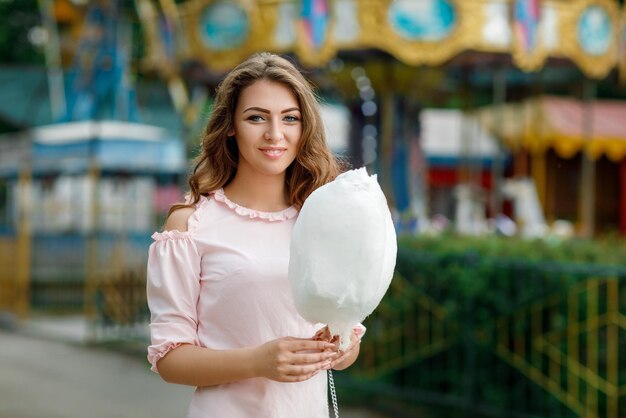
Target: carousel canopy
(222, 33)
(564, 124)
(113, 145)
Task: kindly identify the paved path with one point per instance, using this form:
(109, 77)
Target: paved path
(45, 378)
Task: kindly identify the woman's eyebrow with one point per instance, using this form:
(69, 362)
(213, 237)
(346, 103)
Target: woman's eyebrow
(260, 109)
(256, 109)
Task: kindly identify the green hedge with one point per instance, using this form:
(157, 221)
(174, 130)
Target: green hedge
(610, 250)
(477, 281)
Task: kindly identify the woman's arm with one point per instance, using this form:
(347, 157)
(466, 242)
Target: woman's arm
(284, 360)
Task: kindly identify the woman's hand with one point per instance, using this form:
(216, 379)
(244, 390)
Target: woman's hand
(346, 358)
(294, 359)
(343, 359)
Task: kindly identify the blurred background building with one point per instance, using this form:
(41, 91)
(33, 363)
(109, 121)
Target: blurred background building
(483, 117)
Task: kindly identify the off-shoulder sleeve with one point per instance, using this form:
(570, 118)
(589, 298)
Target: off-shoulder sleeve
(173, 286)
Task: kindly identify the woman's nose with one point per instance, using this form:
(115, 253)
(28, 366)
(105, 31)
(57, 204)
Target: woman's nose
(274, 133)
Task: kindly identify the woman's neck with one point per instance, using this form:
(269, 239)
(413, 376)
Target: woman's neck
(266, 194)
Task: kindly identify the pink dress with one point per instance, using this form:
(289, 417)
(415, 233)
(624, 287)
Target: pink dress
(223, 284)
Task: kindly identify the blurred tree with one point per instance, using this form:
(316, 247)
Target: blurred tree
(18, 24)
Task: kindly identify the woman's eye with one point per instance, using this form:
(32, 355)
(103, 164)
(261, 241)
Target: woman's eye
(291, 118)
(256, 118)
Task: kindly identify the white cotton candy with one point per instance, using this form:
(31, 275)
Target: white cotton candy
(343, 253)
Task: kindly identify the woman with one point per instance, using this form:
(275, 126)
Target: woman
(222, 314)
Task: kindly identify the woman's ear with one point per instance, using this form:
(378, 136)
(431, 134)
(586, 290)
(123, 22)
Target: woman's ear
(231, 132)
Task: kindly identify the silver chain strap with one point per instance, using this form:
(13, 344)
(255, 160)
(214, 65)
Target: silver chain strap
(333, 394)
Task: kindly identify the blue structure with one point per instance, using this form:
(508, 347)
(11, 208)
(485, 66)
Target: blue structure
(113, 146)
(98, 85)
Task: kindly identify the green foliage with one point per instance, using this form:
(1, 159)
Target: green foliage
(483, 284)
(17, 18)
(480, 278)
(610, 250)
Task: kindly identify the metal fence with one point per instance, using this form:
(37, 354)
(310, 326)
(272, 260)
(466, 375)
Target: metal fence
(481, 337)
(101, 277)
(77, 243)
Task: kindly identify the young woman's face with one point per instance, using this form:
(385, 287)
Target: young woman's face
(268, 126)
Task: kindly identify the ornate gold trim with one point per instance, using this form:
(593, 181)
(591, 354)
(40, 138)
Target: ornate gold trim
(153, 58)
(320, 56)
(375, 31)
(594, 66)
(378, 33)
(527, 61)
(259, 37)
(477, 20)
(270, 12)
(356, 41)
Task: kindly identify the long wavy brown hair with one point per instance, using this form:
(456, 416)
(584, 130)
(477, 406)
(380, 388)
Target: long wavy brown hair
(216, 165)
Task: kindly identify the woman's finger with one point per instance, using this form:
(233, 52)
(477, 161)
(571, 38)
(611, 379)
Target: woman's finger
(340, 358)
(322, 334)
(306, 369)
(354, 342)
(313, 358)
(300, 378)
(304, 344)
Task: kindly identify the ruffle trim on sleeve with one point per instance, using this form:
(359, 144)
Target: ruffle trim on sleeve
(170, 235)
(278, 216)
(194, 220)
(155, 356)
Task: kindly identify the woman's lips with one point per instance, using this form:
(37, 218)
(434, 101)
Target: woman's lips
(273, 153)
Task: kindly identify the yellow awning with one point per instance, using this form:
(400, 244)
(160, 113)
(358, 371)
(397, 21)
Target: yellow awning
(564, 124)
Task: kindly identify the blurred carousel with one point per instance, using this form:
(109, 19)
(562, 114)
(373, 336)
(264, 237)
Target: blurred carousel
(385, 61)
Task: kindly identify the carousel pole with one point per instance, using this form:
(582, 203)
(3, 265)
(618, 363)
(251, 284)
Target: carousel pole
(94, 175)
(463, 169)
(176, 85)
(24, 234)
(541, 170)
(588, 168)
(92, 265)
(52, 52)
(497, 166)
(387, 129)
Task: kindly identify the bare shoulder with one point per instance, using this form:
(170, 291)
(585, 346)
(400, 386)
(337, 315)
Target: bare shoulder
(178, 219)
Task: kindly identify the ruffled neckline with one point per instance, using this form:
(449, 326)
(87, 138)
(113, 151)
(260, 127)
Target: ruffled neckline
(281, 215)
